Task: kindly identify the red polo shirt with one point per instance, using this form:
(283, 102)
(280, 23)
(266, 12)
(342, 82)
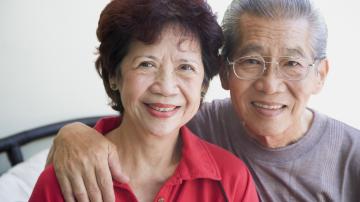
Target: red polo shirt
(205, 173)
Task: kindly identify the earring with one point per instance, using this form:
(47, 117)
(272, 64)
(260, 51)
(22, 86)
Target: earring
(113, 86)
(202, 94)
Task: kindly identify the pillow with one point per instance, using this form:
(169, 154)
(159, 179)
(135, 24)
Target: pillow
(17, 183)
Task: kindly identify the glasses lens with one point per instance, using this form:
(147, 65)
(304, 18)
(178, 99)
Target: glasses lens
(249, 67)
(293, 68)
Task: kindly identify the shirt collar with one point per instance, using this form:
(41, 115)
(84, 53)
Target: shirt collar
(196, 160)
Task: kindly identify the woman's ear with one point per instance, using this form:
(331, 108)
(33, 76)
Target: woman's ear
(322, 71)
(113, 83)
(203, 91)
(224, 77)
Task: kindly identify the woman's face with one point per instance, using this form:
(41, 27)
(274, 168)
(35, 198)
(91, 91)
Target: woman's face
(160, 83)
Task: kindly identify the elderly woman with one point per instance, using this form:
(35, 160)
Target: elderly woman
(156, 59)
(276, 54)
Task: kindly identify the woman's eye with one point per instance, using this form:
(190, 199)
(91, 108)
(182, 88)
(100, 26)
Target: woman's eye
(146, 64)
(187, 68)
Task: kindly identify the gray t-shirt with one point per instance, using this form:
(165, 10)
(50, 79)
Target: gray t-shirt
(324, 165)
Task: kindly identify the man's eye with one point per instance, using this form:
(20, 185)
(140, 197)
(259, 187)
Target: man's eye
(252, 61)
(146, 64)
(292, 64)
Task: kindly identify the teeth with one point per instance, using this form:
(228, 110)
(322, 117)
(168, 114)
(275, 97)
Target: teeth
(163, 109)
(268, 106)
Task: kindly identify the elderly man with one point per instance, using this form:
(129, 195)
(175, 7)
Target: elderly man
(275, 52)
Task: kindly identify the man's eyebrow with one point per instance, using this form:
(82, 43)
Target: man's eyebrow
(295, 52)
(298, 51)
(248, 49)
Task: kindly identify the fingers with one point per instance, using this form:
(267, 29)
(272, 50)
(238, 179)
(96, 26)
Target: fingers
(115, 167)
(84, 163)
(92, 186)
(71, 183)
(65, 188)
(105, 183)
(81, 185)
(79, 189)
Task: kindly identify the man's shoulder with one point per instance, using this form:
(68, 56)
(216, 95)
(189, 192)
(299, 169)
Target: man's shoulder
(216, 121)
(216, 105)
(348, 154)
(344, 139)
(342, 128)
(216, 110)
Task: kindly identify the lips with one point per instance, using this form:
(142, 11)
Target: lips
(162, 107)
(160, 110)
(272, 106)
(267, 109)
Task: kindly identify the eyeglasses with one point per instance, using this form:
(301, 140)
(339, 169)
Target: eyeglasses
(253, 67)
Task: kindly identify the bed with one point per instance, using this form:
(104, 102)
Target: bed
(16, 183)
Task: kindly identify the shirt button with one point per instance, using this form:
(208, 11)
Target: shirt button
(161, 199)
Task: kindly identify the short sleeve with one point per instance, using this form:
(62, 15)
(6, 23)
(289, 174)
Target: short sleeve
(47, 187)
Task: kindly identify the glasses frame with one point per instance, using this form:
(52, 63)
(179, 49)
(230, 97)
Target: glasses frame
(265, 67)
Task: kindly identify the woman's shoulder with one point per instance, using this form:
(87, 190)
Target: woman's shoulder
(47, 187)
(225, 161)
(47, 177)
(236, 179)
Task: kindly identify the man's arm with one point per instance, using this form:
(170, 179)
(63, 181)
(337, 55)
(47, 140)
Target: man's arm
(85, 162)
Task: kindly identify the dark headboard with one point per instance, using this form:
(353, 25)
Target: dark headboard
(12, 144)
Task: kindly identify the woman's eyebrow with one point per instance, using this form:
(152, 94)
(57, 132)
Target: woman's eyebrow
(144, 56)
(187, 60)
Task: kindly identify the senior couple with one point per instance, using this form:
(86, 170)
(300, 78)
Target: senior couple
(274, 60)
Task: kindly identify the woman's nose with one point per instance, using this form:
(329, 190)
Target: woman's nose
(165, 83)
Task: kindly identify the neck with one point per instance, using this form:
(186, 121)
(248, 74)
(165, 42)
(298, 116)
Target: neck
(145, 156)
(288, 137)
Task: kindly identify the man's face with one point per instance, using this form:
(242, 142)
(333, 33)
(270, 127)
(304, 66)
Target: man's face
(272, 108)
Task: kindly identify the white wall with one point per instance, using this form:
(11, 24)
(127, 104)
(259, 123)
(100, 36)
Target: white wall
(340, 97)
(46, 64)
(47, 53)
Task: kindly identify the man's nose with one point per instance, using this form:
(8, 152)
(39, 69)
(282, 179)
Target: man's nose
(270, 82)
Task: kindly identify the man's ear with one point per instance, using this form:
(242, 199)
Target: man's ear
(224, 77)
(322, 72)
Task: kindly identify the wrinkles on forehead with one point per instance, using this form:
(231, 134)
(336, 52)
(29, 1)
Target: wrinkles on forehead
(273, 37)
(257, 49)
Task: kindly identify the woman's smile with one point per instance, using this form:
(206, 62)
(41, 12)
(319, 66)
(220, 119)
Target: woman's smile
(160, 110)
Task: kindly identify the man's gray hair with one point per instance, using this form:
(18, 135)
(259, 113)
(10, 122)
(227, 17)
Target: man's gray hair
(274, 9)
